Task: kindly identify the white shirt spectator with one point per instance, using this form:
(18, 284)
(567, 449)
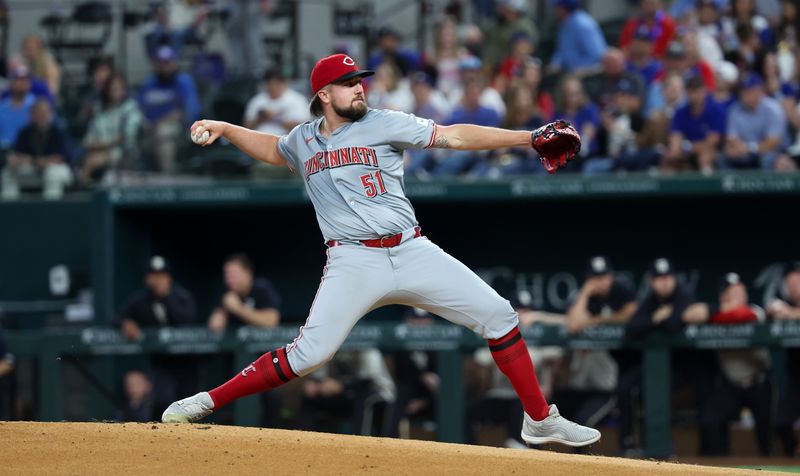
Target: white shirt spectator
(290, 106)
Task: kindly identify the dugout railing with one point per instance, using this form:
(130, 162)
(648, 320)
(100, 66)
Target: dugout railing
(52, 349)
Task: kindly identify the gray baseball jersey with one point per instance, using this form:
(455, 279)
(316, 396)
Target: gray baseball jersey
(355, 181)
(355, 177)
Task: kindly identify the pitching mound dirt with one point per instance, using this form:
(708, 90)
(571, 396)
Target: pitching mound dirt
(166, 449)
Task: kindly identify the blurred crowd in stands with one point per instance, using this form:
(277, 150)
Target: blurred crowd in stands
(688, 85)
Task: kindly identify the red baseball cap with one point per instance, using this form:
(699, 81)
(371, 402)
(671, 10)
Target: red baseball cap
(335, 68)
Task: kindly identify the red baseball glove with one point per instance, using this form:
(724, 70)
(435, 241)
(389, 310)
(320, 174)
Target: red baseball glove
(557, 143)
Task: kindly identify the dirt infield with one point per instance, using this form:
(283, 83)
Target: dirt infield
(121, 449)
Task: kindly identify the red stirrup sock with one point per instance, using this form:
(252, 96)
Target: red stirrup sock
(511, 356)
(267, 372)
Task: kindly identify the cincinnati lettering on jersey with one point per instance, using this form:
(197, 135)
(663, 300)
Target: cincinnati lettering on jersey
(331, 159)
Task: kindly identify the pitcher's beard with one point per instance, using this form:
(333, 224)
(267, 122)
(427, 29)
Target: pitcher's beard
(356, 111)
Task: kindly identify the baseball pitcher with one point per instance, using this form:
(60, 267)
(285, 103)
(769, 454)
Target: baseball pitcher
(351, 159)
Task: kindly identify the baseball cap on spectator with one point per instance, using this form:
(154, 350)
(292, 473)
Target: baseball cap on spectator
(644, 32)
(728, 280)
(751, 80)
(791, 267)
(157, 264)
(334, 69)
(423, 77)
(165, 54)
(626, 86)
(789, 90)
(598, 266)
(727, 71)
(386, 31)
(19, 71)
(273, 74)
(469, 63)
(660, 267)
(675, 50)
(520, 35)
(568, 4)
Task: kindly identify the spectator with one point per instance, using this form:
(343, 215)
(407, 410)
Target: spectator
(113, 133)
(389, 90)
(39, 157)
(429, 103)
(446, 56)
(710, 24)
(575, 107)
(249, 300)
(788, 309)
(389, 50)
(664, 305)
(662, 309)
(139, 405)
(750, 54)
(744, 381)
(604, 298)
(100, 70)
(41, 63)
(470, 68)
(672, 92)
(531, 77)
(523, 111)
(700, 62)
(696, 131)
(174, 27)
(38, 87)
(521, 49)
(756, 128)
(15, 108)
(416, 380)
(510, 21)
(696, 64)
(522, 115)
(640, 54)
(580, 44)
(470, 111)
(168, 99)
(602, 87)
(618, 138)
(278, 108)
(677, 61)
(244, 31)
(352, 385)
(743, 12)
(655, 20)
(162, 303)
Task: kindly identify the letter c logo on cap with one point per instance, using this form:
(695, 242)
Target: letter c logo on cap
(348, 61)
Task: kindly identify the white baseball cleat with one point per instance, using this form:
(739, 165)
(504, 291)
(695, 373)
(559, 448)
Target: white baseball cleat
(189, 409)
(557, 429)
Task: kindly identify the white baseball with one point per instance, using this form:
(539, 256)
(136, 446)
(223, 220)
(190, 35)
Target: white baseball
(201, 138)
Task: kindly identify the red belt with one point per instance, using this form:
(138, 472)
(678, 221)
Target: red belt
(382, 242)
